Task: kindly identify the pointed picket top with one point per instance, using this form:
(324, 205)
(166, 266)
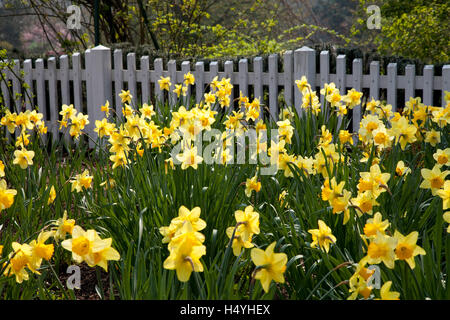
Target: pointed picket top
(100, 47)
(305, 48)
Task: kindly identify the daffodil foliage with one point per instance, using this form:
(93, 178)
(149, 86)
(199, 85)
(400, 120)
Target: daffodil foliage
(344, 215)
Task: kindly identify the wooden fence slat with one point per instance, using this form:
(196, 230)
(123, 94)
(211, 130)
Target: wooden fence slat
(53, 126)
(118, 81)
(324, 73)
(185, 69)
(243, 79)
(392, 85)
(4, 87)
(357, 85)
(213, 72)
(40, 89)
(273, 86)
(172, 68)
(28, 77)
(199, 81)
(410, 76)
(158, 73)
(76, 69)
(258, 70)
(64, 75)
(228, 73)
(17, 92)
(145, 85)
(340, 73)
(131, 78)
(374, 90)
(288, 72)
(428, 72)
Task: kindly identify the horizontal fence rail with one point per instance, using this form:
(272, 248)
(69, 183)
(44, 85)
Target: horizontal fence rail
(65, 81)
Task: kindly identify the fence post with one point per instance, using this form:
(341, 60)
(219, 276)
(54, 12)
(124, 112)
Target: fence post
(98, 85)
(304, 65)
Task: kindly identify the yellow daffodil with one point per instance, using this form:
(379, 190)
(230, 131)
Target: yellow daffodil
(269, 265)
(248, 222)
(63, 226)
(81, 181)
(23, 158)
(252, 184)
(386, 294)
(125, 96)
(442, 157)
(444, 193)
(381, 249)
(238, 243)
(322, 237)
(434, 179)
(375, 224)
(6, 195)
(51, 195)
(407, 248)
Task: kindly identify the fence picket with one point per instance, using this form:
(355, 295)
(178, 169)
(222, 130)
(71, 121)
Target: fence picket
(273, 86)
(258, 93)
(54, 111)
(28, 93)
(145, 85)
(357, 85)
(76, 69)
(158, 74)
(17, 92)
(410, 76)
(118, 81)
(392, 85)
(288, 71)
(374, 90)
(131, 78)
(64, 77)
(428, 72)
(228, 70)
(243, 79)
(185, 68)
(199, 81)
(324, 73)
(172, 68)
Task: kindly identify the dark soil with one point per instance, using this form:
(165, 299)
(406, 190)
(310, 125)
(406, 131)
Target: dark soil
(88, 283)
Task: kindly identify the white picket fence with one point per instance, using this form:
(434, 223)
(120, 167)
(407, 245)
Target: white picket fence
(100, 76)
